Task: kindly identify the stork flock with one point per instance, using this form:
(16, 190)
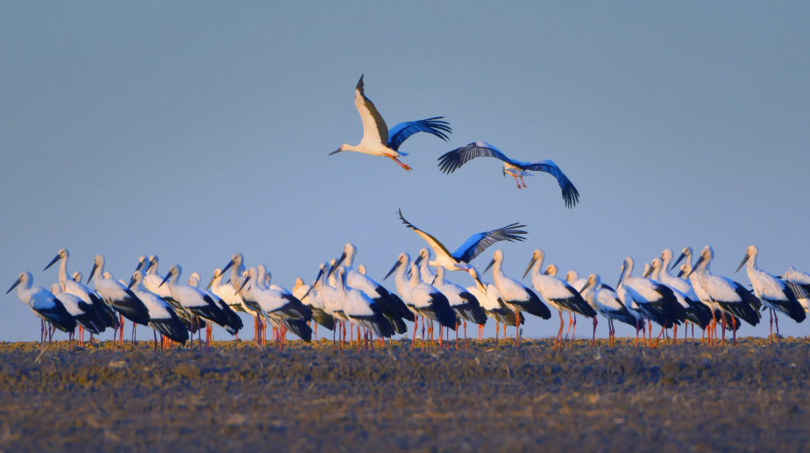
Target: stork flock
(341, 294)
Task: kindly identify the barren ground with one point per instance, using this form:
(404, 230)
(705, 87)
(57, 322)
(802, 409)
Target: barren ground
(489, 398)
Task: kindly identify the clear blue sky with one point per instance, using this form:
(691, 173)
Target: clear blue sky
(197, 129)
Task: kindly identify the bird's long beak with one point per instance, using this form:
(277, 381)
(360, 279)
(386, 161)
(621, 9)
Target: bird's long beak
(649, 271)
(243, 285)
(683, 255)
(165, 279)
(92, 272)
(488, 266)
(317, 279)
(227, 266)
(587, 285)
(396, 265)
(335, 151)
(131, 282)
(14, 285)
(480, 284)
(680, 272)
(337, 263)
(745, 260)
(545, 272)
(700, 260)
(53, 261)
(531, 263)
(417, 260)
(211, 282)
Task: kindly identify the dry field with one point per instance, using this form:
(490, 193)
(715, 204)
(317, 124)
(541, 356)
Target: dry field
(489, 398)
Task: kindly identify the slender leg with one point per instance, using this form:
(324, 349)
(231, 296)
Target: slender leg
(497, 329)
(423, 332)
(516, 182)
(724, 329)
(415, 323)
(770, 336)
(316, 332)
(517, 329)
(593, 339)
(559, 334)
(734, 329)
(465, 335)
(441, 327)
(405, 166)
(675, 334)
(570, 323)
(574, 332)
(521, 180)
(778, 338)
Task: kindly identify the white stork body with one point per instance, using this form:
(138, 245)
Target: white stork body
(490, 300)
(281, 309)
(451, 161)
(378, 140)
(557, 293)
(656, 301)
(118, 296)
(773, 293)
(514, 295)
(361, 309)
(88, 296)
(44, 304)
(199, 303)
(162, 317)
(606, 302)
(730, 295)
(392, 308)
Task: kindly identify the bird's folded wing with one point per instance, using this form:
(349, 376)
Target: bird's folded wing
(479, 242)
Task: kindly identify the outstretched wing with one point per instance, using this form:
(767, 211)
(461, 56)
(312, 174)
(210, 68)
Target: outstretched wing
(569, 192)
(374, 127)
(438, 247)
(402, 131)
(450, 162)
(479, 242)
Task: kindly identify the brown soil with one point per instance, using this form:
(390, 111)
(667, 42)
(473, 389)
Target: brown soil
(489, 398)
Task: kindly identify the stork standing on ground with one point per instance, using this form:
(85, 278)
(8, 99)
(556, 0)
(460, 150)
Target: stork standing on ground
(490, 300)
(773, 292)
(557, 293)
(44, 304)
(514, 295)
(378, 140)
(604, 300)
(451, 161)
(729, 295)
(199, 303)
(464, 303)
(162, 317)
(656, 301)
(75, 287)
(119, 297)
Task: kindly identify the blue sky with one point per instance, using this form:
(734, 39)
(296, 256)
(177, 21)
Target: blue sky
(197, 129)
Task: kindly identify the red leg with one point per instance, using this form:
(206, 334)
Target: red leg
(403, 165)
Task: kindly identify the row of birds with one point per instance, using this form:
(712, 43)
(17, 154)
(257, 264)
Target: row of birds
(341, 294)
(379, 140)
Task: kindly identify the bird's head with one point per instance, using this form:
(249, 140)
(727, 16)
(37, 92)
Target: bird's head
(343, 147)
(60, 255)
